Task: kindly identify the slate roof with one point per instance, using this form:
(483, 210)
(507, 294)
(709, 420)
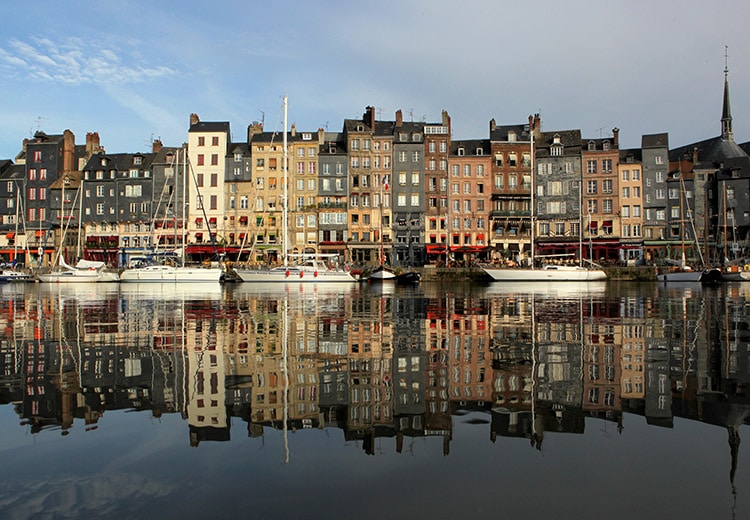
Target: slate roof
(655, 140)
(210, 126)
(500, 133)
(470, 147)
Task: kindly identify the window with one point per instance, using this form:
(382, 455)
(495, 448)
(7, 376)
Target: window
(607, 206)
(215, 140)
(512, 160)
(415, 199)
(201, 159)
(201, 140)
(591, 187)
(625, 192)
(199, 180)
(32, 174)
(607, 165)
(214, 180)
(415, 156)
(591, 166)
(37, 155)
(626, 175)
(214, 159)
(100, 208)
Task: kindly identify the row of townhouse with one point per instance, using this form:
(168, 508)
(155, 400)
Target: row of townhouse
(405, 190)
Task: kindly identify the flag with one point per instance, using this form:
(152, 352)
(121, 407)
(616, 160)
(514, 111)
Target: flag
(385, 182)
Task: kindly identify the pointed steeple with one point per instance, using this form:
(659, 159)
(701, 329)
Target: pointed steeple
(726, 112)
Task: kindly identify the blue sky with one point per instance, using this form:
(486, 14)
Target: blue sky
(134, 70)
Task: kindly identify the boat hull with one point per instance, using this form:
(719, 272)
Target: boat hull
(166, 273)
(79, 277)
(382, 273)
(294, 274)
(546, 274)
(707, 276)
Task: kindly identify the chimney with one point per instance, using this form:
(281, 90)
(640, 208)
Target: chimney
(399, 118)
(493, 125)
(535, 124)
(616, 138)
(69, 151)
(194, 119)
(294, 129)
(156, 146)
(447, 120)
(321, 136)
(92, 143)
(369, 117)
(254, 129)
(695, 155)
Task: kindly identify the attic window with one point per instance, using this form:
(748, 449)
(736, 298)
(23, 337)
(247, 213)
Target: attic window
(416, 137)
(479, 151)
(331, 147)
(592, 146)
(360, 128)
(460, 151)
(307, 136)
(512, 136)
(605, 146)
(104, 161)
(137, 159)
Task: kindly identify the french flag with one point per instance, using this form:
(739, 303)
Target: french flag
(385, 182)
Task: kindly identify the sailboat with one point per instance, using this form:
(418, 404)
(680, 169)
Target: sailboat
(382, 273)
(85, 271)
(682, 271)
(308, 268)
(168, 266)
(549, 272)
(11, 272)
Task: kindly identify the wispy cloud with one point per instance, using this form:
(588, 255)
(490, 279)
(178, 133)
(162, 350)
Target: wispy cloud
(74, 62)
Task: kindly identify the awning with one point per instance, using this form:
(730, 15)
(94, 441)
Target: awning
(199, 220)
(435, 249)
(212, 221)
(10, 236)
(243, 219)
(39, 233)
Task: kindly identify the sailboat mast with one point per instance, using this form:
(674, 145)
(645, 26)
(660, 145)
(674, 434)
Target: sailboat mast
(285, 207)
(184, 204)
(532, 234)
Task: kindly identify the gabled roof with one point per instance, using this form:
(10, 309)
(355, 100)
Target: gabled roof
(570, 139)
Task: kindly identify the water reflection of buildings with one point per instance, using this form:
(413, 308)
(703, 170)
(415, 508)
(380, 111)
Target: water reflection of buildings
(374, 365)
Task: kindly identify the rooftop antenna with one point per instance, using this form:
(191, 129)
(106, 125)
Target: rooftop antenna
(411, 114)
(262, 117)
(39, 122)
(380, 113)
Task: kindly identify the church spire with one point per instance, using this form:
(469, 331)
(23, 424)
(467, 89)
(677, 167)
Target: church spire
(726, 112)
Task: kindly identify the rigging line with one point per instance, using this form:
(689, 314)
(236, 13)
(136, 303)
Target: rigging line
(203, 210)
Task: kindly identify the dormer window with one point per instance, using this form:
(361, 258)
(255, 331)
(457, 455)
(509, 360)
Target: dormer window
(416, 137)
(403, 137)
(137, 159)
(360, 128)
(592, 146)
(606, 146)
(460, 151)
(104, 161)
(479, 151)
(307, 136)
(512, 136)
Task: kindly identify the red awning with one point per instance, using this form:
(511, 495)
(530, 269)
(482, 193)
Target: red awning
(39, 234)
(435, 249)
(243, 219)
(199, 220)
(10, 236)
(212, 221)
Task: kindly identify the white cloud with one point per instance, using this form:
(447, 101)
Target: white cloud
(72, 62)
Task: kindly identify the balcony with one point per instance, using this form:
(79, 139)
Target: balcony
(518, 213)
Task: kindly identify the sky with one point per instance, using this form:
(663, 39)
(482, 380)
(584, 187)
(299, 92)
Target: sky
(135, 70)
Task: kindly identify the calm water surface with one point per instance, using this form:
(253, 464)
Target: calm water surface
(437, 401)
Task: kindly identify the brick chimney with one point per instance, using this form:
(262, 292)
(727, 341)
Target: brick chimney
(446, 120)
(493, 125)
(194, 119)
(321, 135)
(399, 118)
(616, 137)
(156, 146)
(369, 117)
(69, 151)
(254, 129)
(92, 143)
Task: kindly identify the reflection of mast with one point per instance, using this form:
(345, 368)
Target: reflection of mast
(285, 371)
